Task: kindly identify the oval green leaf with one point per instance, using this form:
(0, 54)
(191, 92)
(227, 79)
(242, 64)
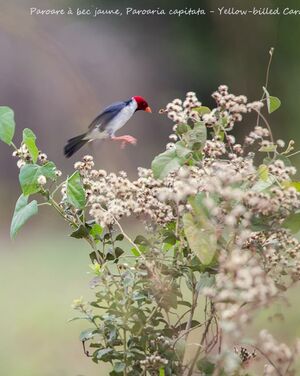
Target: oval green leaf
(29, 139)
(7, 124)
(23, 211)
(29, 174)
(75, 191)
(165, 163)
(292, 222)
(202, 110)
(274, 104)
(201, 238)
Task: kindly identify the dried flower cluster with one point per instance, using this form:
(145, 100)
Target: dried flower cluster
(113, 196)
(24, 157)
(181, 111)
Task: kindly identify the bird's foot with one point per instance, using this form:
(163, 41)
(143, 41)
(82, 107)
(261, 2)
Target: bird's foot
(125, 140)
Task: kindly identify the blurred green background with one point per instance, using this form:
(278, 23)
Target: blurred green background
(58, 72)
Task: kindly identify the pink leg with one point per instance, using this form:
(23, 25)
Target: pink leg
(125, 140)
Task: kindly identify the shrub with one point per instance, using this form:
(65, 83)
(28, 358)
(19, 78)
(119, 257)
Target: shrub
(219, 243)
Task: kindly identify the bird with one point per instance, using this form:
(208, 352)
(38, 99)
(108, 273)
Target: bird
(105, 125)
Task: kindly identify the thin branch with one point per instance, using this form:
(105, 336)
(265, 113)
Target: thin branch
(127, 237)
(291, 155)
(271, 51)
(259, 114)
(86, 352)
(181, 317)
(198, 352)
(186, 332)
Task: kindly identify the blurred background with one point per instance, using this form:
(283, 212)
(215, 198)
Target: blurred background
(57, 73)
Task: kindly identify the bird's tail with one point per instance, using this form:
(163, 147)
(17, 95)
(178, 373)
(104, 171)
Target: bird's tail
(74, 144)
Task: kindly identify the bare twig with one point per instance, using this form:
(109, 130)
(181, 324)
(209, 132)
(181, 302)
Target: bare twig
(271, 51)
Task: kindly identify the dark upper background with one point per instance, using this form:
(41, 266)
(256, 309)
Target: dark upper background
(58, 72)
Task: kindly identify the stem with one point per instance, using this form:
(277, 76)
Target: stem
(181, 317)
(295, 153)
(127, 237)
(125, 351)
(44, 203)
(187, 332)
(268, 68)
(194, 303)
(259, 114)
(267, 79)
(57, 188)
(14, 146)
(198, 352)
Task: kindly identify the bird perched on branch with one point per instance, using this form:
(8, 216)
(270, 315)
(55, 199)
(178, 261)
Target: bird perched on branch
(107, 123)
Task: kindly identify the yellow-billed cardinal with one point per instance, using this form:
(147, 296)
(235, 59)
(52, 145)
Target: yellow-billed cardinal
(107, 123)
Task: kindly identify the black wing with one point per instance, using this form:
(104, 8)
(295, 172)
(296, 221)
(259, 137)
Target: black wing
(107, 115)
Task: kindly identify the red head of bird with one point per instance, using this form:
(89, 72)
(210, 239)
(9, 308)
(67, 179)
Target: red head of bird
(142, 104)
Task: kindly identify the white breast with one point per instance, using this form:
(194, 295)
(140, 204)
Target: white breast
(122, 117)
(118, 122)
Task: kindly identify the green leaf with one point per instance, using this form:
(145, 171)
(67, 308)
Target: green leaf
(162, 371)
(101, 354)
(141, 240)
(23, 211)
(201, 237)
(96, 230)
(294, 184)
(169, 238)
(263, 172)
(81, 232)
(206, 367)
(30, 173)
(29, 139)
(262, 185)
(49, 170)
(75, 191)
(260, 224)
(273, 103)
(205, 280)
(182, 128)
(7, 124)
(86, 334)
(135, 252)
(202, 110)
(196, 135)
(271, 148)
(182, 151)
(119, 237)
(292, 222)
(165, 163)
(119, 367)
(114, 253)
